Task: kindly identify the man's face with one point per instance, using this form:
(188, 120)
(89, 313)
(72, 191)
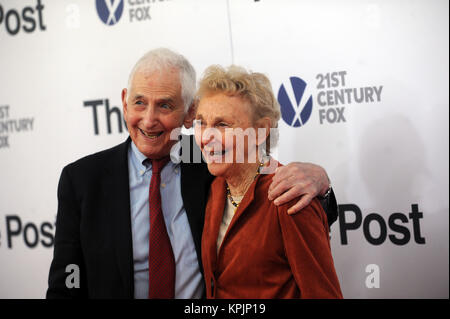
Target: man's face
(152, 108)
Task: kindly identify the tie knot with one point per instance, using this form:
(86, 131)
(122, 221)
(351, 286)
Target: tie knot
(158, 164)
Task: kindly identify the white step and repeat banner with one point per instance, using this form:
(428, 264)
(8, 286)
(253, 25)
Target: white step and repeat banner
(363, 86)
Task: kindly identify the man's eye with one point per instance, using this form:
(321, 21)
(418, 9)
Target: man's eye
(139, 103)
(165, 106)
(222, 124)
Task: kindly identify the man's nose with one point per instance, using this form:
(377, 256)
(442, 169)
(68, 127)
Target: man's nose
(151, 117)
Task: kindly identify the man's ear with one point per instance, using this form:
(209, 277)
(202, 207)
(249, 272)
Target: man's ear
(190, 115)
(124, 102)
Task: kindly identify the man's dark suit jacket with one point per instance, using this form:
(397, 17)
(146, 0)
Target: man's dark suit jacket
(93, 225)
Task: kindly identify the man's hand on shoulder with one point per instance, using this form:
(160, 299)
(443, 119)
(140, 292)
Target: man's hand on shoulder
(298, 179)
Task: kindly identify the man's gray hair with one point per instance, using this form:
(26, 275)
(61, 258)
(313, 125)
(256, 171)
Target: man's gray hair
(162, 59)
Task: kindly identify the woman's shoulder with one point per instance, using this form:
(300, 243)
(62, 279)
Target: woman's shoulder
(267, 173)
(218, 183)
(311, 213)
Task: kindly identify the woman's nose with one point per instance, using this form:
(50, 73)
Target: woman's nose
(210, 134)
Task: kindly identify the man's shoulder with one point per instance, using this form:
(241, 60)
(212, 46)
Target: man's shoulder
(100, 158)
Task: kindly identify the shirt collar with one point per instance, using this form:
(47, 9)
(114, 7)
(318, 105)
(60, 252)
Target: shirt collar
(175, 153)
(138, 156)
(141, 160)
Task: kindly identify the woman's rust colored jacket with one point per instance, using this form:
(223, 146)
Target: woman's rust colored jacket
(267, 253)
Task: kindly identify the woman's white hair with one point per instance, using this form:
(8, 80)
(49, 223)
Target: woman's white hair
(253, 86)
(162, 59)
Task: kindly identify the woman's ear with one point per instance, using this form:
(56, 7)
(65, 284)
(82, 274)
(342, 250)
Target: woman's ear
(190, 115)
(263, 125)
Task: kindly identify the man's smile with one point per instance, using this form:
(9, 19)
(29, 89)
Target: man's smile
(151, 135)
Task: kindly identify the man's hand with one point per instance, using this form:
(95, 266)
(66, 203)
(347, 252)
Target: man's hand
(298, 179)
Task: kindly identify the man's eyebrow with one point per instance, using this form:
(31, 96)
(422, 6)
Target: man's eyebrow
(138, 96)
(166, 99)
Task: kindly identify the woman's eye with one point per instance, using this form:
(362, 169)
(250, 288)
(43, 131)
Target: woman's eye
(199, 123)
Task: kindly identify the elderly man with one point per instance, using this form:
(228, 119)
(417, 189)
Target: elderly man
(128, 219)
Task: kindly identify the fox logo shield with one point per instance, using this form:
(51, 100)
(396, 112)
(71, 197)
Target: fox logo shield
(294, 111)
(109, 11)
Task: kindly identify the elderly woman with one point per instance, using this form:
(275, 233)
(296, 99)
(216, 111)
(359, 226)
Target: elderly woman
(252, 248)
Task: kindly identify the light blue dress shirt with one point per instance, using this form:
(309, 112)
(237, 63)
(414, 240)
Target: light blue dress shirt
(188, 281)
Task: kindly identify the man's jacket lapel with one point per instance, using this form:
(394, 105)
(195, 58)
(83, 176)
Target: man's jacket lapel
(117, 196)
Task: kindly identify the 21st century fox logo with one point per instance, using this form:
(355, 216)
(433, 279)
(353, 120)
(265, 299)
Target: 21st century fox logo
(110, 11)
(332, 97)
(12, 125)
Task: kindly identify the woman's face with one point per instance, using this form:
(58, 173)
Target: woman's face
(225, 132)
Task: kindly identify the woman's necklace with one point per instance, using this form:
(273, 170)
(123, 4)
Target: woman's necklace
(229, 193)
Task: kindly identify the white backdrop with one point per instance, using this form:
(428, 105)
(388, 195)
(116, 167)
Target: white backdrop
(386, 152)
